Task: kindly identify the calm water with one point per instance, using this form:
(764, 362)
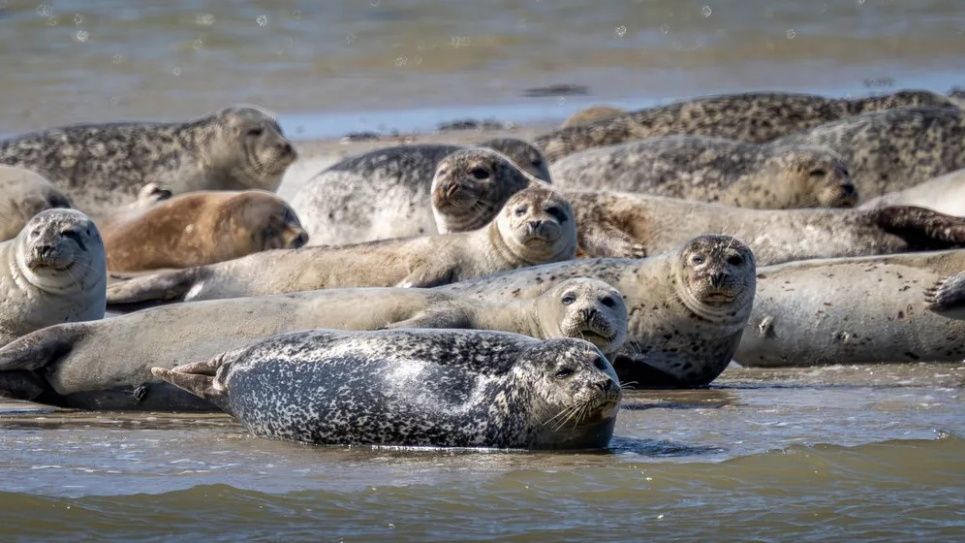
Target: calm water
(830, 454)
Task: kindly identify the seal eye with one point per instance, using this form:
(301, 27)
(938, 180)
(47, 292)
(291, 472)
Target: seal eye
(479, 172)
(556, 213)
(818, 173)
(735, 260)
(598, 363)
(697, 260)
(75, 236)
(845, 172)
(568, 299)
(608, 301)
(255, 132)
(520, 211)
(563, 373)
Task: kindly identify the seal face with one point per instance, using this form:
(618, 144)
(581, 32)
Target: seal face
(253, 150)
(52, 272)
(448, 388)
(23, 194)
(712, 278)
(585, 308)
(536, 226)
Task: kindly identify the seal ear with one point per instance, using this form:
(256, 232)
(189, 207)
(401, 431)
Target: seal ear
(41, 348)
(162, 286)
(948, 296)
(200, 384)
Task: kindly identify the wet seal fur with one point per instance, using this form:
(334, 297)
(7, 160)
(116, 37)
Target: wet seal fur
(714, 170)
(105, 364)
(944, 194)
(895, 308)
(23, 194)
(200, 228)
(439, 388)
(535, 227)
(755, 117)
(687, 308)
(54, 271)
(384, 193)
(103, 166)
(893, 150)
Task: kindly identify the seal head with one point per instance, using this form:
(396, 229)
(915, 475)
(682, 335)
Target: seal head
(254, 134)
(61, 252)
(536, 226)
(714, 278)
(818, 175)
(585, 308)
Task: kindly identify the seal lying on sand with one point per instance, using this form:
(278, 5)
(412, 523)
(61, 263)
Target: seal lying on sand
(714, 170)
(536, 226)
(755, 117)
(102, 166)
(52, 272)
(858, 310)
(384, 193)
(200, 228)
(687, 308)
(23, 194)
(442, 388)
(944, 194)
(893, 150)
(106, 364)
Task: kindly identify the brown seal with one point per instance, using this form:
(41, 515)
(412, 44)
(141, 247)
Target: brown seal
(200, 228)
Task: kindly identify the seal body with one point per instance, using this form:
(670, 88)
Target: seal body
(687, 309)
(713, 170)
(384, 193)
(756, 117)
(945, 194)
(103, 166)
(440, 388)
(891, 308)
(893, 150)
(536, 226)
(200, 228)
(52, 272)
(23, 194)
(591, 114)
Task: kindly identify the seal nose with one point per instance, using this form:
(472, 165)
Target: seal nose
(534, 225)
(287, 148)
(606, 386)
(45, 250)
(849, 190)
(588, 313)
(300, 240)
(717, 279)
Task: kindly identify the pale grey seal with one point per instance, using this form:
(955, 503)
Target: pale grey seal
(23, 194)
(944, 194)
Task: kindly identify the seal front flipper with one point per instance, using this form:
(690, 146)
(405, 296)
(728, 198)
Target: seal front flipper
(435, 319)
(947, 296)
(41, 348)
(922, 228)
(428, 276)
(604, 240)
(163, 286)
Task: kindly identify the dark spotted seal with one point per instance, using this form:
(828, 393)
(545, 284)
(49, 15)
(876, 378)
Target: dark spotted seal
(103, 166)
(439, 388)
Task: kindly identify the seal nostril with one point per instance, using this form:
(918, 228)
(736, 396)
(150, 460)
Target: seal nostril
(288, 149)
(300, 240)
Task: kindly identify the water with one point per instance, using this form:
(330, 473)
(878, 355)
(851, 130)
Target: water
(842, 453)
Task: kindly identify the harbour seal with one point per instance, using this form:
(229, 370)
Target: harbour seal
(384, 193)
(52, 272)
(893, 308)
(893, 150)
(687, 308)
(714, 170)
(106, 364)
(23, 194)
(755, 117)
(102, 166)
(591, 114)
(536, 226)
(944, 194)
(439, 388)
(200, 228)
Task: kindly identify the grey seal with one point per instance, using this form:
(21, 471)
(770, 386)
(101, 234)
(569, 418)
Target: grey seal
(688, 308)
(384, 193)
(536, 226)
(23, 194)
(591, 114)
(54, 271)
(895, 308)
(944, 194)
(101, 167)
(714, 170)
(106, 364)
(439, 388)
(754, 117)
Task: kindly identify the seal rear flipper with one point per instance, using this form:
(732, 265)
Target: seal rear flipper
(435, 319)
(947, 296)
(923, 229)
(20, 385)
(428, 276)
(41, 348)
(164, 286)
(199, 384)
(603, 240)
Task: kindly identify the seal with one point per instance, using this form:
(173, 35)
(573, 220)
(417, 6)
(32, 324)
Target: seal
(106, 364)
(687, 308)
(756, 117)
(200, 228)
(439, 388)
(23, 194)
(714, 170)
(384, 193)
(54, 271)
(103, 166)
(536, 226)
(944, 194)
(592, 114)
(879, 309)
(893, 150)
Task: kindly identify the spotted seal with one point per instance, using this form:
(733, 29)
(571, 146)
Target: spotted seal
(591, 114)
(754, 117)
(536, 226)
(440, 388)
(23, 194)
(714, 170)
(944, 194)
(895, 308)
(687, 308)
(103, 166)
(54, 271)
(200, 228)
(384, 193)
(106, 364)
